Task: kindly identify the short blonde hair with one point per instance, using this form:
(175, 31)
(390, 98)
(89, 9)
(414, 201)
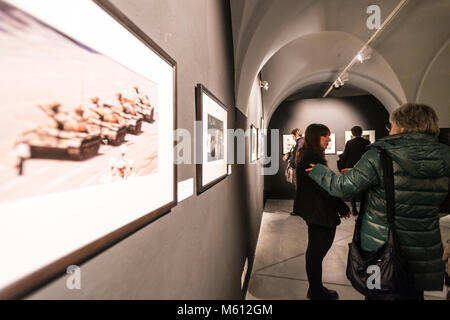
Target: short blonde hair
(416, 118)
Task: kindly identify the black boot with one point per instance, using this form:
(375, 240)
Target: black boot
(324, 294)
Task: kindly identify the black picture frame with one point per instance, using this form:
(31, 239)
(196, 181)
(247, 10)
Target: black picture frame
(201, 90)
(253, 144)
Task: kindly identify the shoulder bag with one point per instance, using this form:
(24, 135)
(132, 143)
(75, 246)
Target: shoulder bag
(383, 274)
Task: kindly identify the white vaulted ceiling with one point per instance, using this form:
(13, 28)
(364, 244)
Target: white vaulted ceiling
(299, 43)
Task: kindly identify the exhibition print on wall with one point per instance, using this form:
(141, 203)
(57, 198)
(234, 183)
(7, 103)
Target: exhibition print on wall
(288, 143)
(212, 142)
(84, 125)
(331, 148)
(260, 140)
(215, 140)
(253, 143)
(367, 134)
(87, 127)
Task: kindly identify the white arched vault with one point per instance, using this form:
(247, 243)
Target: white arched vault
(312, 64)
(411, 50)
(262, 27)
(383, 94)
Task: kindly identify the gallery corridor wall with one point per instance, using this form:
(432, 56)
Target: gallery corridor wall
(198, 250)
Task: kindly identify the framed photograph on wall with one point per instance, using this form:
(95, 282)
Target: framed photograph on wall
(261, 140)
(288, 143)
(253, 143)
(213, 140)
(88, 141)
(331, 149)
(367, 134)
(259, 148)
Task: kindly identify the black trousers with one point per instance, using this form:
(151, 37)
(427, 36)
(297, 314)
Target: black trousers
(353, 203)
(320, 240)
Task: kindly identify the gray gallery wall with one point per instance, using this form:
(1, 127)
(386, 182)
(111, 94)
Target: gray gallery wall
(198, 250)
(339, 114)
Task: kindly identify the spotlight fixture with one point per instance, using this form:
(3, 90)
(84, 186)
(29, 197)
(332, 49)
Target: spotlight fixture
(264, 85)
(337, 84)
(364, 54)
(340, 81)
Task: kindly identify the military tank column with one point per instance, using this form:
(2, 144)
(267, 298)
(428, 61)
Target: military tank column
(78, 134)
(63, 137)
(125, 117)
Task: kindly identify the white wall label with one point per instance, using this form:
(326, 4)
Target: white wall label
(185, 189)
(229, 169)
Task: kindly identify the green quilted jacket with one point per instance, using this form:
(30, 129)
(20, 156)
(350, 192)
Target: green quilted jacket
(421, 180)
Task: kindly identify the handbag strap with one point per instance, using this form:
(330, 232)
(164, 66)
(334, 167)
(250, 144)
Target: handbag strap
(388, 177)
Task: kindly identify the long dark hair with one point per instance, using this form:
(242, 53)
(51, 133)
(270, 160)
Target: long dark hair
(312, 140)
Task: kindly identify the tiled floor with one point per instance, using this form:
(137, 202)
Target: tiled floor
(279, 267)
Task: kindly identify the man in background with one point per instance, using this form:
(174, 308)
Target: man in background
(291, 157)
(354, 150)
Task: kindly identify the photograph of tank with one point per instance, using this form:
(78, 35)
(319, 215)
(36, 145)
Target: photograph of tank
(71, 116)
(215, 139)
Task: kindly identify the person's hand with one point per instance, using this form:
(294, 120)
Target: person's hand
(309, 169)
(343, 171)
(285, 157)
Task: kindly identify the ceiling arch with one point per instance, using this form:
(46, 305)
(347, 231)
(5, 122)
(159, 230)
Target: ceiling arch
(371, 86)
(433, 89)
(314, 64)
(405, 49)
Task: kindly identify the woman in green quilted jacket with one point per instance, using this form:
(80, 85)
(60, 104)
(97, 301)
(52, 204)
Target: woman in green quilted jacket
(421, 181)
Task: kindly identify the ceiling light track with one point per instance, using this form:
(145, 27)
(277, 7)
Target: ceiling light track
(365, 52)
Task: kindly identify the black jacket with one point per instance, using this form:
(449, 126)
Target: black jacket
(312, 202)
(354, 150)
(293, 152)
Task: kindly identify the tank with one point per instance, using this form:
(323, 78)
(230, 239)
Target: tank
(131, 120)
(143, 105)
(64, 137)
(111, 130)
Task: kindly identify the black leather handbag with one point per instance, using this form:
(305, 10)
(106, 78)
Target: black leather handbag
(383, 274)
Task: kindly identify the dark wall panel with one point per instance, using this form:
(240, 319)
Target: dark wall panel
(339, 115)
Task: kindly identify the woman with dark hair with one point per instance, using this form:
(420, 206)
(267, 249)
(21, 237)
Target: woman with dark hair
(320, 210)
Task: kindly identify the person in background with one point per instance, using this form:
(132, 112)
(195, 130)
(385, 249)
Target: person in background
(421, 182)
(290, 157)
(321, 211)
(354, 150)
